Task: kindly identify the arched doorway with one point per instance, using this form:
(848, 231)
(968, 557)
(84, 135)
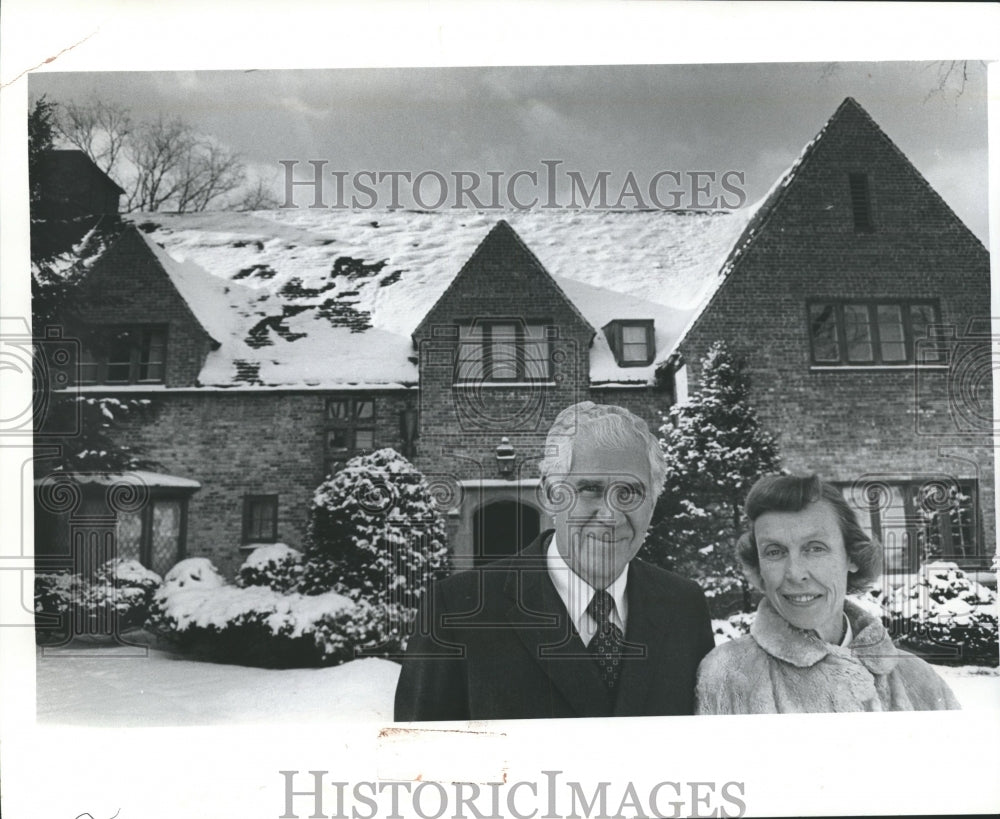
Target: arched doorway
(501, 529)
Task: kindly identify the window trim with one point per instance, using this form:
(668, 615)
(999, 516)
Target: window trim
(249, 501)
(521, 340)
(614, 331)
(349, 426)
(160, 495)
(97, 355)
(918, 532)
(872, 304)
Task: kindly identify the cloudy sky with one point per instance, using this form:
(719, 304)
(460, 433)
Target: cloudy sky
(749, 118)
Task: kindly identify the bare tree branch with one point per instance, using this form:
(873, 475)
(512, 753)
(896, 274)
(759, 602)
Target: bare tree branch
(210, 171)
(162, 164)
(259, 197)
(97, 128)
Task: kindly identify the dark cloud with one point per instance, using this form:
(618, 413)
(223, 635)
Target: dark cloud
(754, 118)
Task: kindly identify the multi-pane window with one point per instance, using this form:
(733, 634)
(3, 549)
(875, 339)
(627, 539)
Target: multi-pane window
(260, 518)
(125, 355)
(350, 426)
(918, 521)
(635, 344)
(873, 332)
(631, 341)
(513, 351)
(153, 535)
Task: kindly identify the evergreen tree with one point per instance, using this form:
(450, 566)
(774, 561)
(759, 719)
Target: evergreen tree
(715, 449)
(41, 133)
(375, 534)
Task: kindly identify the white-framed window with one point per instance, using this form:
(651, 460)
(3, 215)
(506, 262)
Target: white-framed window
(632, 341)
(503, 351)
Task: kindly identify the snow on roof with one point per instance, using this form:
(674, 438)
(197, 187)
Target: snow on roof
(753, 218)
(602, 306)
(209, 298)
(138, 477)
(331, 298)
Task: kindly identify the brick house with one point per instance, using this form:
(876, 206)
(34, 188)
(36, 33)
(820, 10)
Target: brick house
(71, 186)
(274, 346)
(861, 302)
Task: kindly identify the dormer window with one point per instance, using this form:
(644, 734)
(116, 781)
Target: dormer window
(631, 341)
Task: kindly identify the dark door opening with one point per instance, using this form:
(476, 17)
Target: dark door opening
(501, 529)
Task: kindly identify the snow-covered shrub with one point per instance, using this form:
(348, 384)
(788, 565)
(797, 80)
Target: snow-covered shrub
(375, 535)
(259, 626)
(56, 592)
(194, 572)
(128, 587)
(945, 616)
(115, 599)
(275, 565)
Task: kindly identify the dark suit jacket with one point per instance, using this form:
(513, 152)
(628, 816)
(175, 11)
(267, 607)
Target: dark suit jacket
(497, 643)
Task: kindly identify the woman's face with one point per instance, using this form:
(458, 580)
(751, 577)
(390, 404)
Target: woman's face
(804, 566)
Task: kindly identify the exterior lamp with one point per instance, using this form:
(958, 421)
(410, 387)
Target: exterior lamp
(505, 458)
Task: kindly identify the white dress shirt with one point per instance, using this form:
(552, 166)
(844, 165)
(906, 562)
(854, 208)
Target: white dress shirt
(576, 594)
(848, 632)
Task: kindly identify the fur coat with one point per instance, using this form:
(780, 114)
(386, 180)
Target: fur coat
(778, 668)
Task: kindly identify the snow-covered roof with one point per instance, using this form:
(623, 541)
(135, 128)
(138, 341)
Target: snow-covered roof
(136, 477)
(330, 298)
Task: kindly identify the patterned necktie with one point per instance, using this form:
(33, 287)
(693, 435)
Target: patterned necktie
(606, 646)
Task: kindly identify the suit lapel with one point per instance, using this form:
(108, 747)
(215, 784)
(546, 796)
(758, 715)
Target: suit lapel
(539, 618)
(645, 636)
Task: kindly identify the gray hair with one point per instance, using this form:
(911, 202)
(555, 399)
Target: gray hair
(602, 425)
(793, 493)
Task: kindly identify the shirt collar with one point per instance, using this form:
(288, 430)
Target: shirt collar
(576, 593)
(848, 632)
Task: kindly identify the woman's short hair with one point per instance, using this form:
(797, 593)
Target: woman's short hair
(792, 493)
(600, 425)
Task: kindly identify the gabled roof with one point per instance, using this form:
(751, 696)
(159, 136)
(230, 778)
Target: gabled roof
(757, 215)
(503, 238)
(331, 298)
(72, 163)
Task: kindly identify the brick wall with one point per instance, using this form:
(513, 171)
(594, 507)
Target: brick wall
(461, 426)
(241, 443)
(127, 285)
(849, 423)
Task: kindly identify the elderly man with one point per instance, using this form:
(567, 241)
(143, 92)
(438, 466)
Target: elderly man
(573, 626)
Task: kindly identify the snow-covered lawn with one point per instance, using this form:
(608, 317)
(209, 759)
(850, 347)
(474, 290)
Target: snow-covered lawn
(105, 686)
(978, 689)
(100, 686)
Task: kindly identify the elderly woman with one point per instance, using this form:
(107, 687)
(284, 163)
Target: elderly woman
(810, 649)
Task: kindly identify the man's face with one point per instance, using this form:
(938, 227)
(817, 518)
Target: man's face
(603, 509)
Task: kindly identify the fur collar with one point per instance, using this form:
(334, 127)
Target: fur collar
(871, 645)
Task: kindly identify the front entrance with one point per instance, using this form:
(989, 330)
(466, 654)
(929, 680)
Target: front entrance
(501, 529)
